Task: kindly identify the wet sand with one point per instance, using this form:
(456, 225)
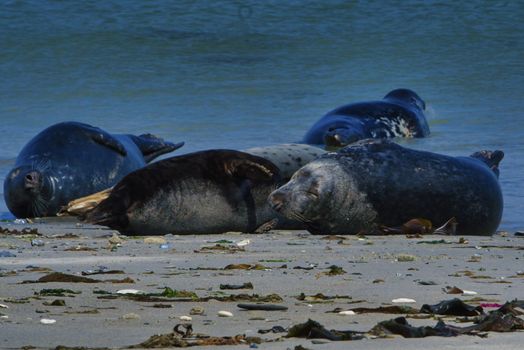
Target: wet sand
(375, 270)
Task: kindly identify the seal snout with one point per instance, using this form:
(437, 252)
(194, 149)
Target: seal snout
(32, 180)
(276, 200)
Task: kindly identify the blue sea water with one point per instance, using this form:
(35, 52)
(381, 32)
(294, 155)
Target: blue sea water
(238, 74)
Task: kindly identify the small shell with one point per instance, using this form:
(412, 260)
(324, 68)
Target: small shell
(47, 321)
(403, 300)
(223, 313)
(469, 292)
(347, 313)
(129, 291)
(186, 318)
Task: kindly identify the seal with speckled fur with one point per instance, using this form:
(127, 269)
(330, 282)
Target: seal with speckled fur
(377, 182)
(70, 160)
(399, 114)
(213, 191)
(289, 157)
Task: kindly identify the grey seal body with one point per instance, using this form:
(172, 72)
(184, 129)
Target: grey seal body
(289, 157)
(70, 160)
(399, 114)
(377, 182)
(205, 192)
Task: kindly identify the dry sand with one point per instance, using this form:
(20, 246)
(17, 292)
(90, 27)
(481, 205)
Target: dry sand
(377, 270)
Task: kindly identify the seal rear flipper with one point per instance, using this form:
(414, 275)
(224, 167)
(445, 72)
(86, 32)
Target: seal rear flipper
(105, 139)
(152, 146)
(491, 158)
(81, 206)
(111, 212)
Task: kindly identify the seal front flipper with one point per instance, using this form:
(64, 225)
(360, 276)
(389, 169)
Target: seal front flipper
(153, 146)
(105, 139)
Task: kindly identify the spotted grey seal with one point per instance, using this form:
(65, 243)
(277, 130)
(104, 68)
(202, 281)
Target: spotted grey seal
(377, 182)
(289, 157)
(70, 160)
(399, 114)
(212, 191)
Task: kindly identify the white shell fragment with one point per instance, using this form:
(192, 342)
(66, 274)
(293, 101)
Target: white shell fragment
(403, 300)
(223, 313)
(186, 318)
(469, 292)
(3, 306)
(243, 243)
(47, 321)
(347, 313)
(129, 291)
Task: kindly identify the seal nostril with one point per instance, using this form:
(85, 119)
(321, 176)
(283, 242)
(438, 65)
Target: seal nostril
(28, 177)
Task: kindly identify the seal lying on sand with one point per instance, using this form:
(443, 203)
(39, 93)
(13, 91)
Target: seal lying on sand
(377, 182)
(204, 192)
(399, 114)
(288, 157)
(70, 160)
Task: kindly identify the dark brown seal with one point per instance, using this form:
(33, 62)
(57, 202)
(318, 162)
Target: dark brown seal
(211, 191)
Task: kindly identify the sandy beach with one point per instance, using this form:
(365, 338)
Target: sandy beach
(315, 277)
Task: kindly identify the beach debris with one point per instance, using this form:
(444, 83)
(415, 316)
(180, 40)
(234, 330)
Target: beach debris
(246, 267)
(80, 248)
(130, 291)
(174, 293)
(453, 307)
(247, 285)
(185, 318)
(182, 336)
(130, 316)
(155, 240)
(452, 290)
(47, 321)
(334, 270)
(4, 306)
(220, 248)
(347, 313)
(197, 310)
(64, 277)
(313, 329)
(101, 270)
(243, 243)
(57, 292)
(405, 257)
(449, 228)
(6, 254)
(274, 329)
(37, 243)
(23, 232)
(391, 309)
(469, 292)
(319, 297)
(427, 283)
(403, 300)
(57, 302)
(412, 227)
(519, 234)
(164, 246)
(115, 239)
(223, 313)
(263, 307)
